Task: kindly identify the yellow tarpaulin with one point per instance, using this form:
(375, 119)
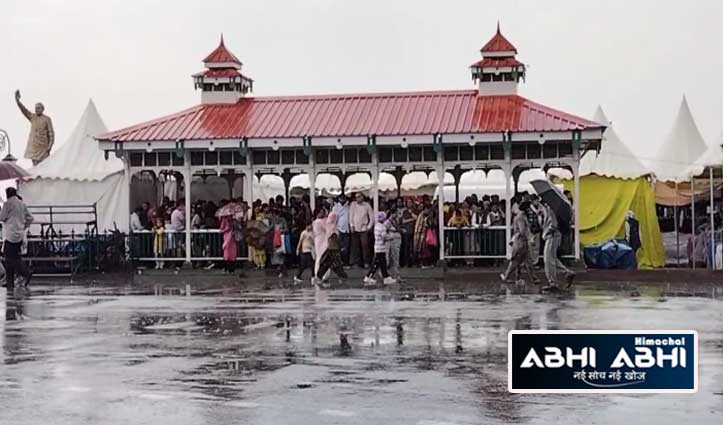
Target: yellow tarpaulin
(605, 201)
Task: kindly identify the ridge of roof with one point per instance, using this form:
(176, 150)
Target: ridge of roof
(426, 112)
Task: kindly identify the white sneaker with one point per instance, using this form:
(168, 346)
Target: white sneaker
(315, 281)
(297, 280)
(368, 279)
(210, 266)
(390, 281)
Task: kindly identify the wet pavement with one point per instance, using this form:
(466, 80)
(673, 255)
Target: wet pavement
(92, 355)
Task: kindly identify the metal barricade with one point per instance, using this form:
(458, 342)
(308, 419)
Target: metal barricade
(206, 245)
(474, 242)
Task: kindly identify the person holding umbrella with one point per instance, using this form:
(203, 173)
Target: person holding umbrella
(558, 215)
(226, 215)
(552, 235)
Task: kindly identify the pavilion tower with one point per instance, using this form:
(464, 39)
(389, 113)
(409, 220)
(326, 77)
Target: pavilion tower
(222, 81)
(499, 72)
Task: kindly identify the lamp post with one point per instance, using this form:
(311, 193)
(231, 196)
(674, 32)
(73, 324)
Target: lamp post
(5, 142)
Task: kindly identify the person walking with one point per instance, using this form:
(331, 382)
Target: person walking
(552, 236)
(330, 259)
(534, 221)
(304, 251)
(321, 239)
(520, 247)
(16, 219)
(361, 219)
(381, 246)
(341, 208)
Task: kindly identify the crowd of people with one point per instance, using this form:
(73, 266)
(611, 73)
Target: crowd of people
(344, 232)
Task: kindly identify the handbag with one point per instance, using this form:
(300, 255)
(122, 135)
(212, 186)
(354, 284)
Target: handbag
(431, 238)
(277, 237)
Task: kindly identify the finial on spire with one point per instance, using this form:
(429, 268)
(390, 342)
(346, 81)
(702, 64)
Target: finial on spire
(222, 33)
(498, 26)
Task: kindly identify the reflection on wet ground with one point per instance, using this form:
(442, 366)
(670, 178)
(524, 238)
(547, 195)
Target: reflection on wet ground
(81, 355)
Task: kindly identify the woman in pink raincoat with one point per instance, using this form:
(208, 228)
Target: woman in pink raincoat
(230, 246)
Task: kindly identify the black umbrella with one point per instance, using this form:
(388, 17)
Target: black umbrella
(557, 200)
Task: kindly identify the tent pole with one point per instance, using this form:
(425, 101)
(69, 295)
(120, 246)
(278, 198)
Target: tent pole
(712, 218)
(312, 184)
(675, 226)
(692, 214)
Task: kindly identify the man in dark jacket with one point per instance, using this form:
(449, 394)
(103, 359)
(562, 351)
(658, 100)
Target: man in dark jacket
(15, 218)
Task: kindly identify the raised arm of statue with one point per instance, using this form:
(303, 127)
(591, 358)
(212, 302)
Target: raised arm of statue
(22, 107)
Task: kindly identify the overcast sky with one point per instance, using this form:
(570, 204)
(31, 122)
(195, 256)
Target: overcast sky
(135, 58)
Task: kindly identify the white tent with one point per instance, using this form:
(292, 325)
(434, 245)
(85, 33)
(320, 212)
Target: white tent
(615, 160)
(681, 148)
(77, 173)
(713, 157)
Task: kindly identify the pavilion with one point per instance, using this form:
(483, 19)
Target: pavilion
(234, 136)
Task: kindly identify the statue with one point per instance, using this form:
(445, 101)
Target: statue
(42, 136)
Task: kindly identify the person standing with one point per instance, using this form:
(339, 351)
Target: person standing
(230, 247)
(381, 246)
(520, 246)
(159, 242)
(409, 219)
(395, 227)
(552, 236)
(42, 135)
(16, 219)
(136, 221)
(361, 217)
(342, 212)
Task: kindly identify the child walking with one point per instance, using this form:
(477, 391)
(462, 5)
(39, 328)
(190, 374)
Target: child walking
(304, 251)
(381, 246)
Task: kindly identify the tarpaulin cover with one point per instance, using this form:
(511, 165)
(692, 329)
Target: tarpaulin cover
(605, 201)
(613, 254)
(666, 194)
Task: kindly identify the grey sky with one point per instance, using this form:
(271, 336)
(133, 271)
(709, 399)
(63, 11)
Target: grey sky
(135, 58)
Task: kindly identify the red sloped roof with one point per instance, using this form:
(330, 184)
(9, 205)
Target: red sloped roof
(497, 62)
(498, 43)
(221, 54)
(382, 114)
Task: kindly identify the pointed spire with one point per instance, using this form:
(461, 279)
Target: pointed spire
(600, 116)
(615, 159)
(498, 43)
(683, 145)
(222, 55)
